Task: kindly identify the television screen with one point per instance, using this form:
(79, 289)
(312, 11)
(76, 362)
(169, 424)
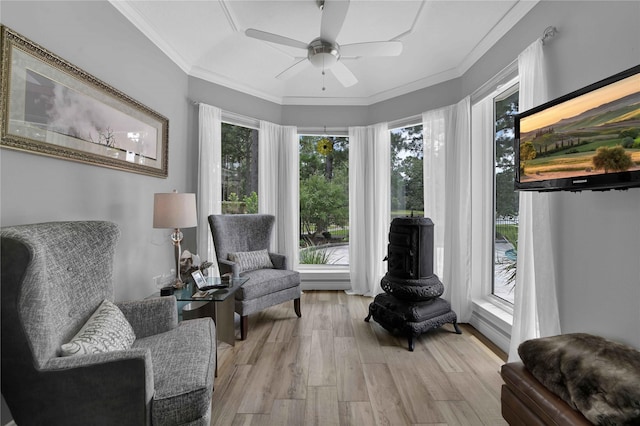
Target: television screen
(588, 139)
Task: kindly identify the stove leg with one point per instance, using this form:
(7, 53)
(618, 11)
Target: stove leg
(455, 325)
(368, 316)
(411, 343)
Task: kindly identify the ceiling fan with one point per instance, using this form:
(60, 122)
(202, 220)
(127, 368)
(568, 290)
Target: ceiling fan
(324, 52)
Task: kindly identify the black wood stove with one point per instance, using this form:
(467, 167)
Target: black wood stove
(411, 304)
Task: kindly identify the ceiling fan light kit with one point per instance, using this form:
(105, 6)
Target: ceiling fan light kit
(324, 52)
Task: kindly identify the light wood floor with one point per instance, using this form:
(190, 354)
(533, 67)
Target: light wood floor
(330, 367)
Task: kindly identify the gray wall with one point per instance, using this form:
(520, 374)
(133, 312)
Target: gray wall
(95, 37)
(597, 241)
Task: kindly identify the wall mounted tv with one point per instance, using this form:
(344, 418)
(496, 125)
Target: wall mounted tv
(586, 140)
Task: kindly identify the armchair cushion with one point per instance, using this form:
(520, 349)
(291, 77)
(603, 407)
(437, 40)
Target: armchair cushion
(267, 281)
(183, 368)
(106, 330)
(251, 260)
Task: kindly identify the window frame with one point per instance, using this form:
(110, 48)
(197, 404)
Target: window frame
(330, 276)
(238, 120)
(502, 92)
(491, 315)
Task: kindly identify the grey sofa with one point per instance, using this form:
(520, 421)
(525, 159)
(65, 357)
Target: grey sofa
(233, 233)
(53, 277)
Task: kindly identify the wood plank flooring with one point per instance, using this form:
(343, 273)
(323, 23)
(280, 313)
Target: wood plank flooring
(330, 367)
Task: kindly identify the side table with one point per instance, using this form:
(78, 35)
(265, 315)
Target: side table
(221, 306)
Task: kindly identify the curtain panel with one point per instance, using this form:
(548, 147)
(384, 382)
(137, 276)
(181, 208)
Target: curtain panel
(209, 196)
(279, 186)
(536, 304)
(447, 195)
(369, 206)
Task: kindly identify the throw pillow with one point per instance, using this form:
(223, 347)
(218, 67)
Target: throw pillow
(106, 330)
(251, 260)
(595, 376)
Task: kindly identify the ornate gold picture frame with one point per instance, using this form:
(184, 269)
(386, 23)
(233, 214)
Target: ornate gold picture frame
(51, 107)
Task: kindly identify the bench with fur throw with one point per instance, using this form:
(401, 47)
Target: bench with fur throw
(595, 376)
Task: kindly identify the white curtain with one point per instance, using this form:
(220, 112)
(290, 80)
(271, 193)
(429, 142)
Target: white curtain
(209, 178)
(447, 195)
(279, 186)
(369, 206)
(536, 305)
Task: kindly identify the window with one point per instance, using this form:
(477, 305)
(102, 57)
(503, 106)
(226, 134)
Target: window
(505, 217)
(324, 200)
(239, 169)
(407, 182)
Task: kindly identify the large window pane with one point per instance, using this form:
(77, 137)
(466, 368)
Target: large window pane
(407, 183)
(324, 200)
(506, 199)
(239, 169)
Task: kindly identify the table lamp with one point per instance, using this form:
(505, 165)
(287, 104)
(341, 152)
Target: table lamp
(174, 210)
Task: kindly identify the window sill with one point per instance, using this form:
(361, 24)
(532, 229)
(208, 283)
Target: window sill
(493, 319)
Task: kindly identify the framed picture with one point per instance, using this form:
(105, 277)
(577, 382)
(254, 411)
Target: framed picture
(199, 279)
(51, 107)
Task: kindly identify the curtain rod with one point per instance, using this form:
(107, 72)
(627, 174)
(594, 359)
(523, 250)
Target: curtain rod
(548, 34)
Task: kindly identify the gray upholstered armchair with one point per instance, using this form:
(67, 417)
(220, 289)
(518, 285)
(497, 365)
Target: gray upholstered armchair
(268, 285)
(54, 276)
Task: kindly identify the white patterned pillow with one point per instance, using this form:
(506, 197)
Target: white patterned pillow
(106, 330)
(251, 260)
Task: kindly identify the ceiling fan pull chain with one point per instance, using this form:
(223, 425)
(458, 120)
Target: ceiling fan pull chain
(323, 88)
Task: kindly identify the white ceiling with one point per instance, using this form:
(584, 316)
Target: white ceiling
(441, 40)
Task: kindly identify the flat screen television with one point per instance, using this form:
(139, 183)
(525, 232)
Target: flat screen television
(586, 140)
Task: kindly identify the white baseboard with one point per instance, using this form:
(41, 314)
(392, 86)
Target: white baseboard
(324, 285)
(491, 325)
(324, 279)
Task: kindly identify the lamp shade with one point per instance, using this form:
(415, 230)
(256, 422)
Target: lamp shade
(174, 210)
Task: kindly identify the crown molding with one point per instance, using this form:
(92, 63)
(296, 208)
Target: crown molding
(515, 13)
(508, 21)
(143, 26)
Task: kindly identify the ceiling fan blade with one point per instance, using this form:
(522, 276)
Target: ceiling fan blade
(374, 48)
(275, 38)
(293, 69)
(343, 74)
(333, 15)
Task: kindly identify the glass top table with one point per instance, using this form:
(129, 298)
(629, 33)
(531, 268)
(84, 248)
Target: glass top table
(185, 294)
(221, 310)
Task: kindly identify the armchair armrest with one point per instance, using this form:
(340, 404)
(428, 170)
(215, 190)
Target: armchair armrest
(114, 387)
(279, 260)
(226, 266)
(151, 316)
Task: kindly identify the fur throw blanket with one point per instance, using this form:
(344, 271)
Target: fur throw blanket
(595, 376)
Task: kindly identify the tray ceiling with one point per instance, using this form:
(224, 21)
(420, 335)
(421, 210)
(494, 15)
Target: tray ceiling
(441, 40)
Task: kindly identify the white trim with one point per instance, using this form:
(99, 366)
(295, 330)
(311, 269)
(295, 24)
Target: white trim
(128, 10)
(508, 21)
(495, 83)
(493, 322)
(414, 120)
(240, 120)
(321, 131)
(331, 278)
